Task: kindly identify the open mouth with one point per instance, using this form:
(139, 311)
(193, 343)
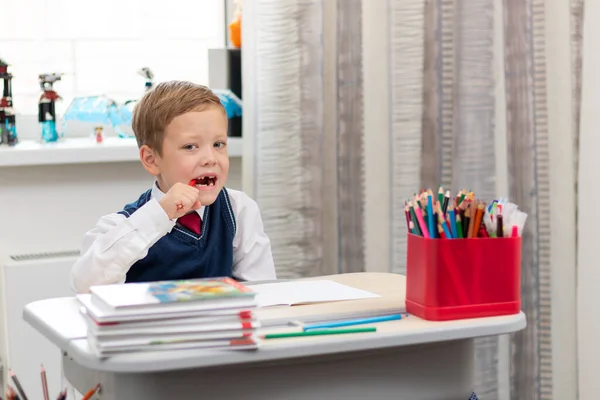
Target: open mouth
(204, 181)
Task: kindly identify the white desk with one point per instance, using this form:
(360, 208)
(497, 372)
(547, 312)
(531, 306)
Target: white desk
(409, 359)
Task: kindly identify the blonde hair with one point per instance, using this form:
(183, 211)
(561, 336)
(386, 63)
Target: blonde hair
(164, 102)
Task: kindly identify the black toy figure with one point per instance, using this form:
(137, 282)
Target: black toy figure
(46, 106)
(8, 128)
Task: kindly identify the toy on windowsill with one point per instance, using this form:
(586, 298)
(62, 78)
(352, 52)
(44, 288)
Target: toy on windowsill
(99, 132)
(102, 110)
(47, 107)
(235, 26)
(149, 75)
(8, 128)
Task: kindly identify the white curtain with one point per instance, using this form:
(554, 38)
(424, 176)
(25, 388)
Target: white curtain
(353, 105)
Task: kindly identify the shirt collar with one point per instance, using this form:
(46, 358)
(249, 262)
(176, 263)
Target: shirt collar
(158, 195)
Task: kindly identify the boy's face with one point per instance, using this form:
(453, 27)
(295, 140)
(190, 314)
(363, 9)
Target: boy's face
(195, 147)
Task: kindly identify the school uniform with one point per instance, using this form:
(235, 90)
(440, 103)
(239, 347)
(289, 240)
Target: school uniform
(140, 243)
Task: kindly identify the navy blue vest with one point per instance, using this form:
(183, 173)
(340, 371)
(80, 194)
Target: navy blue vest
(182, 254)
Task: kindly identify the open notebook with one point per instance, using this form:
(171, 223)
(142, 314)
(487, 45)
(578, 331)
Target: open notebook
(306, 292)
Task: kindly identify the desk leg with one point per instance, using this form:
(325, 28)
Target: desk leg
(436, 371)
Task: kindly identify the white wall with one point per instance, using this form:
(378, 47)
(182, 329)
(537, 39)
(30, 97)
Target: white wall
(50, 208)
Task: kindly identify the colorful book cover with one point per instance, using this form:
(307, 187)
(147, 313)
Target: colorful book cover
(197, 289)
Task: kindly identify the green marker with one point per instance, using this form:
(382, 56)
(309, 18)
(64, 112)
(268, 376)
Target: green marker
(318, 333)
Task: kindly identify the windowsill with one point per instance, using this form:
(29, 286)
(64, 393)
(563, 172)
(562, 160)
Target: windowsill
(81, 151)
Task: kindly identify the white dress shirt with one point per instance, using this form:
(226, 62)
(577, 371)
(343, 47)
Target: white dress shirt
(117, 242)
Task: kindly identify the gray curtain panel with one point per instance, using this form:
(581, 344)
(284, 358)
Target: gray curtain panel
(577, 10)
(524, 187)
(407, 57)
(473, 158)
(442, 131)
(350, 132)
(289, 131)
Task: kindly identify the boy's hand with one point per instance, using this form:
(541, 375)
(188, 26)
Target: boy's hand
(179, 200)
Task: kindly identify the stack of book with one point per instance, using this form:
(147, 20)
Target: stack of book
(217, 313)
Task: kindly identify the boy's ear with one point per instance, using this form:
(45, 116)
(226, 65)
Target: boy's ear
(149, 160)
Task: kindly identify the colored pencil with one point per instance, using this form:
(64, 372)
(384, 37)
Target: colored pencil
(413, 218)
(483, 232)
(473, 208)
(15, 380)
(461, 216)
(463, 193)
(412, 228)
(92, 392)
(430, 214)
(515, 231)
(452, 218)
(499, 227)
(478, 217)
(351, 322)
(459, 230)
(467, 222)
(318, 333)
(44, 383)
(441, 232)
(418, 201)
(446, 201)
(11, 394)
(421, 222)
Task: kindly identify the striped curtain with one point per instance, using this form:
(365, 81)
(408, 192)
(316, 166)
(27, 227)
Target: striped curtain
(457, 45)
(291, 144)
(288, 121)
(468, 108)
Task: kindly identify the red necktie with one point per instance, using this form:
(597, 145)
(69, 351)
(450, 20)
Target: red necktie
(191, 221)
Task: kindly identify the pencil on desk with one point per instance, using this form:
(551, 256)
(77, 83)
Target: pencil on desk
(20, 390)
(92, 392)
(351, 322)
(44, 383)
(318, 333)
(11, 394)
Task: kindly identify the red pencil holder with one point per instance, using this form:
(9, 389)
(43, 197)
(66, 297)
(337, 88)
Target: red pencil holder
(450, 279)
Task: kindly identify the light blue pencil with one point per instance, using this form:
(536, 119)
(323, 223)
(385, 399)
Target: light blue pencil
(354, 322)
(452, 217)
(446, 230)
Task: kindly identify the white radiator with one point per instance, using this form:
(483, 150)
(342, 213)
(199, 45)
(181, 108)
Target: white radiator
(24, 279)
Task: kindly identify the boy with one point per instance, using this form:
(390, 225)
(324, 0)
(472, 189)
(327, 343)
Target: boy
(188, 225)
